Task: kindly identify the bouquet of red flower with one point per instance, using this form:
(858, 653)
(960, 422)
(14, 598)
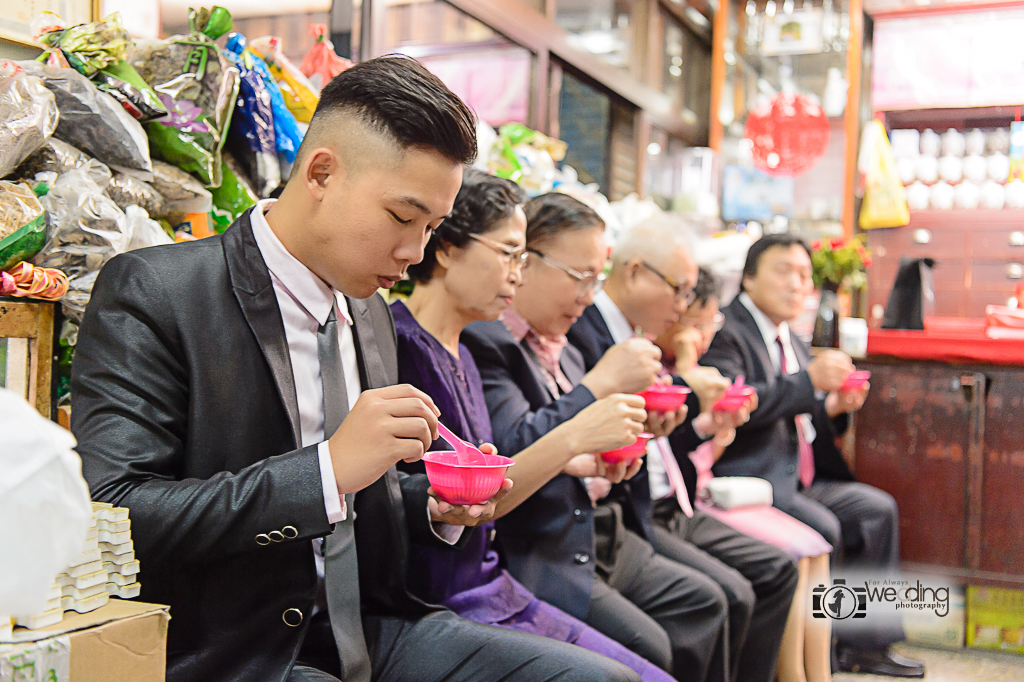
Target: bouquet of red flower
(840, 262)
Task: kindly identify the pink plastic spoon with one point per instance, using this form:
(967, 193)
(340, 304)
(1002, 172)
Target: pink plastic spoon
(468, 454)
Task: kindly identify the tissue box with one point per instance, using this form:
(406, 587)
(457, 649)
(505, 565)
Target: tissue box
(124, 641)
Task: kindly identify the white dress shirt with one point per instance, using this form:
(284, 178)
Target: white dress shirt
(770, 332)
(620, 330)
(305, 302)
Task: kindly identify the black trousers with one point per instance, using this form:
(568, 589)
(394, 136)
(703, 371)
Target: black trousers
(758, 580)
(863, 525)
(442, 647)
(672, 615)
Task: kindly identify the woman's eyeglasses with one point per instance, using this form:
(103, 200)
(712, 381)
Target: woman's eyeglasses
(513, 256)
(684, 292)
(586, 282)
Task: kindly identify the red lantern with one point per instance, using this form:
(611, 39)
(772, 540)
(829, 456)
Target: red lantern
(789, 135)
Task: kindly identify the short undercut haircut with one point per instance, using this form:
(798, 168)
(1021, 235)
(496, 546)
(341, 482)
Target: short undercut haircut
(397, 97)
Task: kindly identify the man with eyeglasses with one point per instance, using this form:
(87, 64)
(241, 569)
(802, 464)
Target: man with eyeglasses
(649, 288)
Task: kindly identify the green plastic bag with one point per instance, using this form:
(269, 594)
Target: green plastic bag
(18, 203)
(232, 198)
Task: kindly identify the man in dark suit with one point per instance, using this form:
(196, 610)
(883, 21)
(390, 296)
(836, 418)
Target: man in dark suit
(571, 553)
(649, 287)
(237, 394)
(790, 438)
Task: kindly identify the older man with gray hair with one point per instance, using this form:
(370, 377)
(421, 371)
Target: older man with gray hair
(649, 287)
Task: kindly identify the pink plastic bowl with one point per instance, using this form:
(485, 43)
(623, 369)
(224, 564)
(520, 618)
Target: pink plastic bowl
(734, 398)
(629, 452)
(660, 398)
(465, 483)
(855, 380)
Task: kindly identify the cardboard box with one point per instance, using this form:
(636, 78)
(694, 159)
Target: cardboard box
(995, 619)
(925, 628)
(124, 641)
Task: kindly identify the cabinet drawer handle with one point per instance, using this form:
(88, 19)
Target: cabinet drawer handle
(1014, 271)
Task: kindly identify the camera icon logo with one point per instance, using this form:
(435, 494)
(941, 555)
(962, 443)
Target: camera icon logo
(839, 601)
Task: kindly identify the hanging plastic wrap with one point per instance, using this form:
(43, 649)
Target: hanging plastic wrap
(322, 63)
(299, 94)
(28, 112)
(44, 502)
(56, 156)
(198, 86)
(97, 50)
(181, 192)
(287, 135)
(145, 231)
(93, 121)
(251, 137)
(127, 191)
(86, 230)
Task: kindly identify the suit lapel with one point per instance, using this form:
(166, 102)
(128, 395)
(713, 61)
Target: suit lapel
(250, 280)
(371, 365)
(756, 339)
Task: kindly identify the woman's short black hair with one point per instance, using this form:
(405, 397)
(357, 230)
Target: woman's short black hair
(551, 214)
(482, 203)
(398, 97)
(707, 286)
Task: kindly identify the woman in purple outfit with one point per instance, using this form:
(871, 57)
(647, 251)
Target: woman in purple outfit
(470, 272)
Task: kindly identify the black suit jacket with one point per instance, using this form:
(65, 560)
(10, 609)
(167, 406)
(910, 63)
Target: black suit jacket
(590, 334)
(548, 540)
(185, 412)
(766, 446)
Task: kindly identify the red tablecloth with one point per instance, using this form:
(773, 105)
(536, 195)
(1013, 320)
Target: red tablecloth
(945, 347)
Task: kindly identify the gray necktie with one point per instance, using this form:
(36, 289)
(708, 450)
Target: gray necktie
(341, 568)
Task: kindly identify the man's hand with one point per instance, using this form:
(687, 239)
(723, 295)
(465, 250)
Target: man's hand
(687, 343)
(664, 423)
(828, 370)
(707, 382)
(465, 514)
(607, 424)
(627, 367)
(840, 402)
(592, 466)
(385, 426)
(714, 422)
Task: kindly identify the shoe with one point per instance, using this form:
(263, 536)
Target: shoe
(878, 662)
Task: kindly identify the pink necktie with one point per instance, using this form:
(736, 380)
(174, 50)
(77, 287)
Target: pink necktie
(675, 476)
(805, 449)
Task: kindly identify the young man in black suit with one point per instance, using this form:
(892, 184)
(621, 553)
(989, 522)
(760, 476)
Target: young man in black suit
(237, 394)
(790, 438)
(649, 287)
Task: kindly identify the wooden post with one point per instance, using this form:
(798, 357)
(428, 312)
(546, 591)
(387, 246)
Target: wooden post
(851, 118)
(32, 320)
(719, 32)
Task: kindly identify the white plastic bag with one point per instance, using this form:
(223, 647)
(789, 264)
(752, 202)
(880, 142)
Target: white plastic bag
(44, 504)
(29, 115)
(145, 231)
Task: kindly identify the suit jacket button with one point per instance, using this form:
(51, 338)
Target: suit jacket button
(581, 558)
(276, 535)
(791, 469)
(292, 618)
(262, 539)
(290, 532)
(580, 516)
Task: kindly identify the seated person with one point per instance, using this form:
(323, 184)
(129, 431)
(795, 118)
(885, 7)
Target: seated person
(649, 286)
(470, 271)
(790, 439)
(238, 394)
(557, 543)
(807, 641)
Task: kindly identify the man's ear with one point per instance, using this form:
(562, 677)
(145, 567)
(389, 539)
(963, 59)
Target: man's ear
(320, 169)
